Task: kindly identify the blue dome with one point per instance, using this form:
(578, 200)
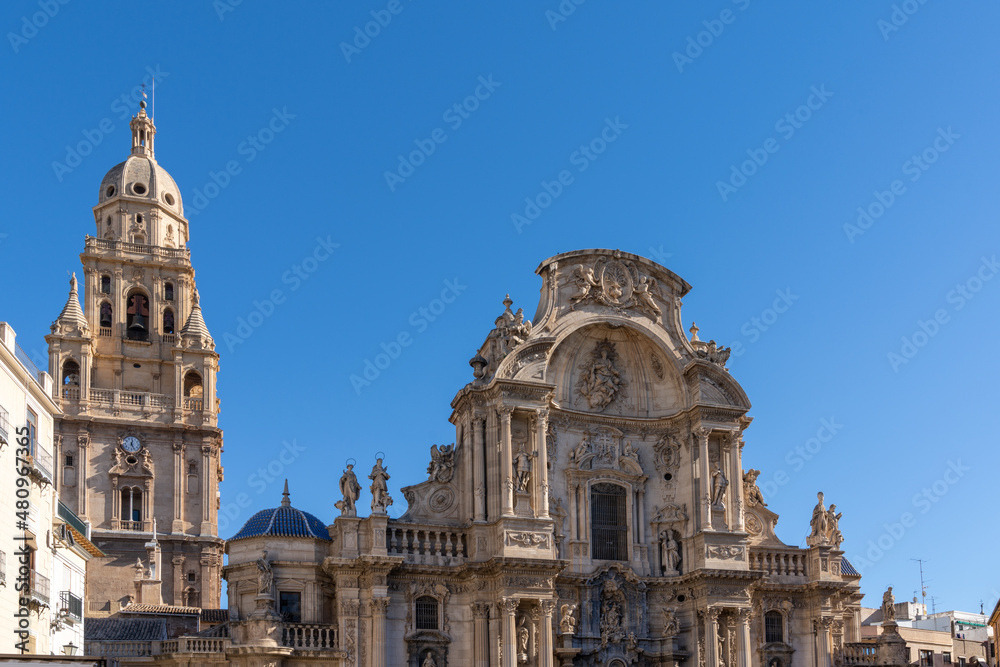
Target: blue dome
(284, 521)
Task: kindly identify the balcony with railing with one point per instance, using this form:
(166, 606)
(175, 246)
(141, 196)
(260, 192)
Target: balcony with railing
(426, 544)
(130, 399)
(4, 426)
(73, 605)
(779, 562)
(855, 654)
(40, 587)
(194, 403)
(93, 243)
(40, 464)
(309, 637)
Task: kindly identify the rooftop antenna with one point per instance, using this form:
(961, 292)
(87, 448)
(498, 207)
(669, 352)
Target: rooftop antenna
(152, 101)
(934, 604)
(923, 588)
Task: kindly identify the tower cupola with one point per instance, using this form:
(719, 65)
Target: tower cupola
(143, 132)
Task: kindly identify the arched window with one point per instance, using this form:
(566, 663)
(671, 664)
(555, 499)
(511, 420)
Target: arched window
(192, 385)
(427, 613)
(105, 284)
(131, 503)
(71, 373)
(168, 321)
(106, 315)
(608, 522)
(168, 291)
(137, 316)
(773, 627)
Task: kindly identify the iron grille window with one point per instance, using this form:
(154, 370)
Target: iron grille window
(947, 657)
(608, 522)
(926, 658)
(427, 613)
(290, 606)
(773, 630)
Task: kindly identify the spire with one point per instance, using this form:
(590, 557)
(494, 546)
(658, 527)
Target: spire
(143, 132)
(71, 318)
(195, 325)
(285, 500)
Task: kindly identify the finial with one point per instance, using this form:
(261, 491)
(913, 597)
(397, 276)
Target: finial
(196, 299)
(694, 333)
(285, 500)
(507, 301)
(72, 283)
(142, 105)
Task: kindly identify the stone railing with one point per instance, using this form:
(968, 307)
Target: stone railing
(309, 637)
(781, 563)
(139, 649)
(130, 399)
(859, 653)
(194, 645)
(119, 649)
(425, 544)
(142, 248)
(193, 403)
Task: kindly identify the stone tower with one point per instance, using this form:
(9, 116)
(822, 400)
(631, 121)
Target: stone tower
(138, 443)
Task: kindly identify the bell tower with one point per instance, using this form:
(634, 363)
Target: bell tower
(138, 444)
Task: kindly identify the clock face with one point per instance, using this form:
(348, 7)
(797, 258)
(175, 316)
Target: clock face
(131, 444)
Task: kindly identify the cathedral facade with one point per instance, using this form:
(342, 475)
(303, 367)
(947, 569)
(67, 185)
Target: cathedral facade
(137, 446)
(593, 510)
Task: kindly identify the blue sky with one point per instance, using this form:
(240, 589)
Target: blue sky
(746, 136)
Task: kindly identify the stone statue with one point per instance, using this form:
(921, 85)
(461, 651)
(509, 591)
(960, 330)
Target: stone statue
(719, 485)
(442, 466)
(819, 523)
(567, 621)
(888, 606)
(584, 280)
(643, 296)
(380, 490)
(265, 575)
(350, 490)
(522, 469)
(833, 526)
(669, 553)
(751, 490)
(522, 644)
(601, 381)
(582, 449)
(670, 625)
(429, 660)
(630, 452)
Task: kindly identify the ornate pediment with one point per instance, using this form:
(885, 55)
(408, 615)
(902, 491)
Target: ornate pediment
(616, 283)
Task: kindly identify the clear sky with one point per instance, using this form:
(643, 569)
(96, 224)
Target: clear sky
(740, 139)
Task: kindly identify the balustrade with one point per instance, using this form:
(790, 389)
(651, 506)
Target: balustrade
(859, 653)
(425, 541)
(779, 563)
(308, 637)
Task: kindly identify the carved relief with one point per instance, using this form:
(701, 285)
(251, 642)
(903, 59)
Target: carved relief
(617, 284)
(724, 552)
(527, 540)
(601, 383)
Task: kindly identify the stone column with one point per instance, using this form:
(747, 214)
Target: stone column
(542, 415)
(478, 488)
(743, 658)
(178, 574)
(379, 607)
(577, 514)
(507, 608)
(545, 640)
(736, 477)
(207, 578)
(481, 634)
(705, 492)
(712, 636)
(83, 446)
(179, 488)
(206, 490)
(506, 460)
(821, 629)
